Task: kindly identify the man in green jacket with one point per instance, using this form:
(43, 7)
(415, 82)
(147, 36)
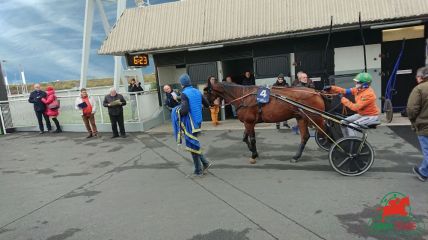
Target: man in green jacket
(417, 110)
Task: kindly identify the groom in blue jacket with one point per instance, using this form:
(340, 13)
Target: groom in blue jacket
(191, 108)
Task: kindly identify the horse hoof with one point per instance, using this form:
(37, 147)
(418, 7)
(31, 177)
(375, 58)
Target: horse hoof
(294, 160)
(252, 161)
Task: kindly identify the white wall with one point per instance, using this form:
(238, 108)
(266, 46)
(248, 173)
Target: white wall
(169, 74)
(352, 58)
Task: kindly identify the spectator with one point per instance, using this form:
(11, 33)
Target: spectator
(230, 80)
(115, 102)
(52, 107)
(171, 98)
(39, 107)
(88, 108)
(417, 111)
(248, 79)
(303, 81)
(280, 82)
(133, 87)
(215, 109)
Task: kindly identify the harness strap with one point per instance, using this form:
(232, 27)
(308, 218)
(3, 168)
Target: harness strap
(237, 99)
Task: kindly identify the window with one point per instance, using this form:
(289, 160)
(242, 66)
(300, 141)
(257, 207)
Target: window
(199, 73)
(268, 67)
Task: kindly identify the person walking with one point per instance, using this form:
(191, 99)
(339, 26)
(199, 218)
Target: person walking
(215, 109)
(280, 82)
(187, 120)
(52, 107)
(115, 102)
(133, 87)
(88, 108)
(39, 107)
(417, 112)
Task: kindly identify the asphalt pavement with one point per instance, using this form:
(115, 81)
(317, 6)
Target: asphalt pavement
(63, 186)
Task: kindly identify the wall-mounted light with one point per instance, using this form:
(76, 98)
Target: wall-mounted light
(392, 25)
(205, 48)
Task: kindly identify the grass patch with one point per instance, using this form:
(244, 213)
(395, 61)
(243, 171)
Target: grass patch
(75, 84)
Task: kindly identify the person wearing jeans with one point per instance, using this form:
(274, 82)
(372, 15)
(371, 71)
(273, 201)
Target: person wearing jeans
(417, 111)
(39, 107)
(88, 108)
(115, 102)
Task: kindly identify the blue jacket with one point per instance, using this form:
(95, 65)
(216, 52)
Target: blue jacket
(191, 100)
(184, 129)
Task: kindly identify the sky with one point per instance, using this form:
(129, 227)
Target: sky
(45, 38)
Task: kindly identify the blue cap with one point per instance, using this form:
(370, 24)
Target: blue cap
(184, 79)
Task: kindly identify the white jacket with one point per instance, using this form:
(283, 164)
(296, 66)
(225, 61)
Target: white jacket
(79, 100)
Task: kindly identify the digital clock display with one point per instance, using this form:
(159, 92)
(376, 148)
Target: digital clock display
(137, 60)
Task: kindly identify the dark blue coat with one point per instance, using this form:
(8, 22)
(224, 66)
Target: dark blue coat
(35, 99)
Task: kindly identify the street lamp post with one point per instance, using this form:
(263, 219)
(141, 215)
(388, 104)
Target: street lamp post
(5, 76)
(24, 81)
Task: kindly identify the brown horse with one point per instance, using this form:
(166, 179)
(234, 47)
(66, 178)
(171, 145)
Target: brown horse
(250, 112)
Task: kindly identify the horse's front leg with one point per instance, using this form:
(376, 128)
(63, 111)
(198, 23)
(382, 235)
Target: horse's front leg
(249, 130)
(304, 137)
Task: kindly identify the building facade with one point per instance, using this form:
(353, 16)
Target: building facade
(259, 37)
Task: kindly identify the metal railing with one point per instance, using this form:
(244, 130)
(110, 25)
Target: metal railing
(140, 106)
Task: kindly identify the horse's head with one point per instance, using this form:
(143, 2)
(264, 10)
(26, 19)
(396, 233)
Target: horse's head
(216, 91)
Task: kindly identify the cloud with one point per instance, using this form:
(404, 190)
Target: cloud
(45, 37)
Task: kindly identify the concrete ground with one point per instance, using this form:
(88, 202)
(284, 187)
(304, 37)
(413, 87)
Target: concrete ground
(63, 186)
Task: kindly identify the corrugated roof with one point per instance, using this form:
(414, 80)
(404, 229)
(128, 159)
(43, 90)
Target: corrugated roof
(200, 22)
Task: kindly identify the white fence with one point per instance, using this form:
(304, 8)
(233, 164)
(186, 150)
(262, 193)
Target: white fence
(140, 107)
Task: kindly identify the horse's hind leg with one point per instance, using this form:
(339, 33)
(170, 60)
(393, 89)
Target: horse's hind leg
(255, 154)
(251, 143)
(304, 137)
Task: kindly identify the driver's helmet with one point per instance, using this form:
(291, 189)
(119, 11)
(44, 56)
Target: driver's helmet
(363, 78)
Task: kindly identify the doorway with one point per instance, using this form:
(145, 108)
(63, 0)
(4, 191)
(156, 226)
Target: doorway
(313, 63)
(236, 69)
(412, 59)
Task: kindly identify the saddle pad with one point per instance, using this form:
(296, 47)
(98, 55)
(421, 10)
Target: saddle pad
(263, 94)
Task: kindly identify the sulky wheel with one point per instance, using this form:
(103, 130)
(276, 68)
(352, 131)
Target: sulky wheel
(346, 161)
(333, 130)
(387, 108)
(323, 142)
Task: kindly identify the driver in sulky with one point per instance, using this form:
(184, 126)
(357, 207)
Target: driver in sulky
(367, 112)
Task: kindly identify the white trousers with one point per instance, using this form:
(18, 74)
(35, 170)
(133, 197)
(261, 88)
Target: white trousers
(361, 120)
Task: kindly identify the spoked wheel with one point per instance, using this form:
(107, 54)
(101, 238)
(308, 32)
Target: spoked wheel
(333, 130)
(323, 142)
(346, 159)
(387, 108)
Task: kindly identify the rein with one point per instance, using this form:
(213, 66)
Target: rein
(237, 99)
